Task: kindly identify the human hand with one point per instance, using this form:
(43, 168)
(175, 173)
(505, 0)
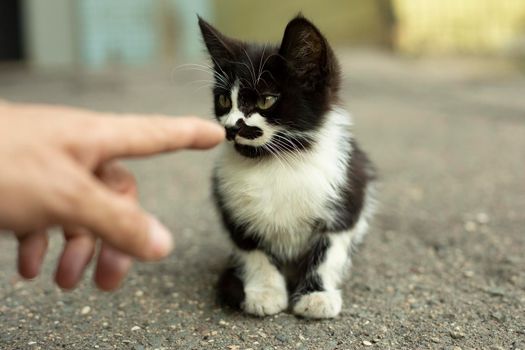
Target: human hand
(58, 169)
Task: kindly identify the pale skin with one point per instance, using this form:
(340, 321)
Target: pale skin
(58, 168)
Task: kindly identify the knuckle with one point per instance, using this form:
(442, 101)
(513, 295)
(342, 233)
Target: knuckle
(68, 197)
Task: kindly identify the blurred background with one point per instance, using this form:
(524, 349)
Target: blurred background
(98, 33)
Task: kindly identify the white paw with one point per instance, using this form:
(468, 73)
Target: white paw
(265, 301)
(325, 304)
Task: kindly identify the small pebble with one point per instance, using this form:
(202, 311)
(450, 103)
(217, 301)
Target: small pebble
(282, 338)
(367, 343)
(135, 328)
(468, 273)
(31, 343)
(457, 334)
(85, 310)
(496, 291)
(482, 218)
(139, 293)
(435, 340)
(498, 316)
(470, 226)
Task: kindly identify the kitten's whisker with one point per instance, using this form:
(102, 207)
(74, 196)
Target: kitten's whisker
(222, 70)
(285, 155)
(189, 67)
(269, 149)
(264, 80)
(290, 142)
(260, 64)
(186, 65)
(282, 159)
(200, 88)
(253, 68)
(192, 67)
(210, 83)
(243, 79)
(289, 147)
(248, 69)
(270, 73)
(283, 148)
(221, 79)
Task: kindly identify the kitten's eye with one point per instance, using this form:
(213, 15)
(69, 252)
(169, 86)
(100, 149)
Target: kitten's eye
(224, 101)
(266, 101)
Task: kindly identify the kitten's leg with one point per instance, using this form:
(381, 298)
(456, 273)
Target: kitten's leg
(230, 287)
(317, 294)
(265, 290)
(253, 283)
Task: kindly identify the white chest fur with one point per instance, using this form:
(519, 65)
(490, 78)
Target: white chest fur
(280, 200)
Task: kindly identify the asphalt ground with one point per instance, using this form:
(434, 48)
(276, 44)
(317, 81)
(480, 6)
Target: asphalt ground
(443, 266)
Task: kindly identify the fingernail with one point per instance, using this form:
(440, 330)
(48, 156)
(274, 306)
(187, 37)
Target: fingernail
(160, 238)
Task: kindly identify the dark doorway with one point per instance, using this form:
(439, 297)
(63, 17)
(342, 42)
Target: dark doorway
(11, 47)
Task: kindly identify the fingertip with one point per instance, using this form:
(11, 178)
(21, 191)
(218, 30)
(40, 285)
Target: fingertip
(161, 240)
(31, 252)
(28, 269)
(112, 267)
(219, 133)
(215, 131)
(201, 133)
(77, 254)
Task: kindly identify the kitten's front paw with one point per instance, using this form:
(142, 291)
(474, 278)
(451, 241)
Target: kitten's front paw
(326, 304)
(265, 301)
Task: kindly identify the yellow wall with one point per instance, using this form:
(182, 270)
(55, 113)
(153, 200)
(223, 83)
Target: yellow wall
(342, 21)
(462, 26)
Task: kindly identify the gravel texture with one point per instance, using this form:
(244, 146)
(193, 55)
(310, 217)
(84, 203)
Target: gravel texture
(442, 268)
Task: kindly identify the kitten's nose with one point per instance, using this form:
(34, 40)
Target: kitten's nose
(231, 132)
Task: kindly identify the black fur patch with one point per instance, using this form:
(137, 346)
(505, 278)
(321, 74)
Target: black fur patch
(231, 288)
(308, 280)
(359, 175)
(250, 132)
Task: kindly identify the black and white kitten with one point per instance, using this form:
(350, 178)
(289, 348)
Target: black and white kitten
(293, 187)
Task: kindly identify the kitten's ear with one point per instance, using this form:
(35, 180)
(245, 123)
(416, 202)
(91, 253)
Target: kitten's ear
(305, 50)
(221, 48)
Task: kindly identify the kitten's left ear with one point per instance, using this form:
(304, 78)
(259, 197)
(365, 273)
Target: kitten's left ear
(221, 48)
(306, 51)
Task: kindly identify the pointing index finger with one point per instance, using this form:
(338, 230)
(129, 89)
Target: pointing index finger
(132, 136)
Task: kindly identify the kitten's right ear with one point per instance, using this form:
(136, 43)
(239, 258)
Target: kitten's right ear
(221, 48)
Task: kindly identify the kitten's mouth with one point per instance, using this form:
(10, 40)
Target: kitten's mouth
(248, 140)
(244, 132)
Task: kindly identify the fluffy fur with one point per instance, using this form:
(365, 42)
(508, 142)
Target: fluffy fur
(293, 187)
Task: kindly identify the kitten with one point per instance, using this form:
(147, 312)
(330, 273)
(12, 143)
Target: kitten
(293, 187)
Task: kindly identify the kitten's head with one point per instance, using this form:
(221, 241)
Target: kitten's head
(270, 98)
